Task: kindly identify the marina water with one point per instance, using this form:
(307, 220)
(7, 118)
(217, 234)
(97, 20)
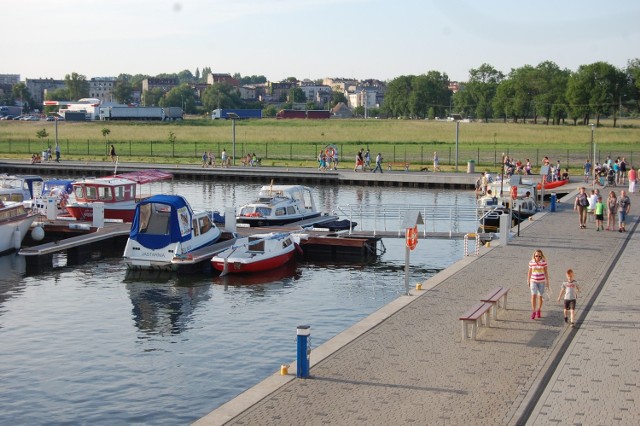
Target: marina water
(97, 344)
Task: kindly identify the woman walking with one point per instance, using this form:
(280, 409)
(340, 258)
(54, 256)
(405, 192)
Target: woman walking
(538, 281)
(612, 205)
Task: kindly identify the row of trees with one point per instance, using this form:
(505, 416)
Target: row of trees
(528, 92)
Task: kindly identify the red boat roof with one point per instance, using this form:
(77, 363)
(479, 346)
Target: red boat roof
(146, 176)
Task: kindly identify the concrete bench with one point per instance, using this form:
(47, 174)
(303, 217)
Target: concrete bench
(478, 313)
(399, 164)
(495, 296)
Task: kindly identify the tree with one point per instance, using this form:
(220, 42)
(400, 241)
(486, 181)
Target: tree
(181, 96)
(396, 98)
(41, 134)
(593, 90)
(337, 97)
(185, 76)
(20, 93)
(152, 97)
(481, 87)
(77, 86)
(633, 76)
(123, 91)
(221, 95)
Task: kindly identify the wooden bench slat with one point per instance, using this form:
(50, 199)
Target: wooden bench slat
(472, 316)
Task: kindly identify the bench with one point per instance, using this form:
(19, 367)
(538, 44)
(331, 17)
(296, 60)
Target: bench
(494, 297)
(479, 312)
(401, 164)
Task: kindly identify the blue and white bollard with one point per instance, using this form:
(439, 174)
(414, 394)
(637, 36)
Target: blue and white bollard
(554, 200)
(304, 351)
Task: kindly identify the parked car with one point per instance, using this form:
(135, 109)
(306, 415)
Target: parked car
(7, 117)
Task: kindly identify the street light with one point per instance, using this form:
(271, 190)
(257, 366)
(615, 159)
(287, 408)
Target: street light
(593, 145)
(233, 117)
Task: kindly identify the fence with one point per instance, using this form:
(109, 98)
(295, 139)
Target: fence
(418, 155)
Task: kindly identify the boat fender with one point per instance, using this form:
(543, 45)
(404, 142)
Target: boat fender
(514, 192)
(37, 233)
(17, 239)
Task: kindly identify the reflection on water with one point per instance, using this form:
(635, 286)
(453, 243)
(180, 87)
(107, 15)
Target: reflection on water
(282, 276)
(160, 305)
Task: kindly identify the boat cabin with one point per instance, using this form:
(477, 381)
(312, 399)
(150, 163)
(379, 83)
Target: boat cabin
(105, 190)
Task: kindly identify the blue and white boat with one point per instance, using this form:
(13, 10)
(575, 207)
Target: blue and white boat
(164, 227)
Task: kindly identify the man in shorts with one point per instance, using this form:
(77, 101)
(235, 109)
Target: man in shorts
(624, 205)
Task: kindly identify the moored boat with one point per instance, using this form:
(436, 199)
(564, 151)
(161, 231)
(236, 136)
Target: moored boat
(15, 221)
(257, 253)
(119, 193)
(552, 184)
(164, 227)
(279, 205)
(20, 188)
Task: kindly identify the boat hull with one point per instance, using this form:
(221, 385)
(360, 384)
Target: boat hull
(8, 239)
(552, 185)
(124, 213)
(240, 267)
(273, 221)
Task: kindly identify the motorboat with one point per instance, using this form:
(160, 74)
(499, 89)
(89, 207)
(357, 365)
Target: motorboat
(257, 253)
(119, 193)
(552, 184)
(20, 188)
(279, 205)
(15, 221)
(54, 195)
(165, 227)
(512, 197)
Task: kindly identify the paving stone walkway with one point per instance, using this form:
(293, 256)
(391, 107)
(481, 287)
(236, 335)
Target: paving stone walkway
(408, 364)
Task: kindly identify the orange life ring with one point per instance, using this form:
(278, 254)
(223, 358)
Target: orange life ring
(330, 152)
(514, 192)
(412, 237)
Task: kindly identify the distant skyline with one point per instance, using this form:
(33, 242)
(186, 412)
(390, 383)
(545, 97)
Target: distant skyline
(311, 38)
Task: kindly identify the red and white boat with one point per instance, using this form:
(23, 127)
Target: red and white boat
(119, 193)
(257, 253)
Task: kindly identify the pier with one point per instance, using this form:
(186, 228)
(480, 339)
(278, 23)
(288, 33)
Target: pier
(408, 364)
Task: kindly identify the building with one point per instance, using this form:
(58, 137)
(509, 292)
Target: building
(102, 88)
(9, 79)
(38, 87)
(214, 78)
(164, 84)
(320, 94)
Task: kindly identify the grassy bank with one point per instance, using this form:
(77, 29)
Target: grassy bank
(297, 142)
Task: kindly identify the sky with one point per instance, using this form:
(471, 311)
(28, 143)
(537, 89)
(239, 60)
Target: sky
(311, 39)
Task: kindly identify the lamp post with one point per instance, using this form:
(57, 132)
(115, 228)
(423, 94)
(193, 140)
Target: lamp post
(593, 145)
(233, 116)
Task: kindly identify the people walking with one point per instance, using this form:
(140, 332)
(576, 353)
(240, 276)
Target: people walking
(378, 163)
(224, 158)
(612, 205)
(587, 170)
(633, 177)
(599, 212)
(57, 152)
(538, 282)
(569, 290)
(581, 203)
(624, 205)
(436, 162)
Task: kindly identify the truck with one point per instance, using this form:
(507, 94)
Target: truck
(223, 113)
(291, 113)
(173, 113)
(310, 114)
(131, 113)
(10, 110)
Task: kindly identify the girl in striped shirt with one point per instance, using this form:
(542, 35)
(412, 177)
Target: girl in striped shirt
(538, 281)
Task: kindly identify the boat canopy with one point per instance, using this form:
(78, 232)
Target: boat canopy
(146, 176)
(65, 185)
(161, 220)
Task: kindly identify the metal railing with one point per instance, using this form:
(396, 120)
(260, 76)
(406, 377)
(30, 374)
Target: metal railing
(437, 218)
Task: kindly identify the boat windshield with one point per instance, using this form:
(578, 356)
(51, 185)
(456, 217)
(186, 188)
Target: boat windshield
(154, 219)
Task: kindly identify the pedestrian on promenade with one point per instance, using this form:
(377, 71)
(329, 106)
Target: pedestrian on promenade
(205, 159)
(633, 177)
(367, 161)
(569, 290)
(538, 281)
(623, 171)
(378, 163)
(112, 153)
(224, 158)
(612, 205)
(599, 211)
(212, 159)
(587, 170)
(436, 162)
(57, 152)
(359, 161)
(581, 203)
(624, 205)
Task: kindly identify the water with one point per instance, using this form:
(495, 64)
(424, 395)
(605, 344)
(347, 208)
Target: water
(97, 344)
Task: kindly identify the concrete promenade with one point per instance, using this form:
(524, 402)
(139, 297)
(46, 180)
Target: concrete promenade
(407, 362)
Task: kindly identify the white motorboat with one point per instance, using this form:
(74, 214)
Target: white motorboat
(164, 227)
(257, 253)
(15, 221)
(20, 188)
(279, 205)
